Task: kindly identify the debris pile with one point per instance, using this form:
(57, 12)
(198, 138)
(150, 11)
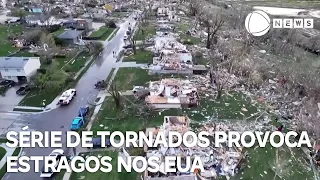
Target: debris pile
(221, 161)
(172, 93)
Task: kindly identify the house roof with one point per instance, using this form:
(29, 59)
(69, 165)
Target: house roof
(70, 34)
(13, 62)
(35, 10)
(37, 17)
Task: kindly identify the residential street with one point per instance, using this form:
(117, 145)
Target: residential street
(59, 119)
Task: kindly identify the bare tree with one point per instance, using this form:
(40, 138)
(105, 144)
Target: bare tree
(221, 69)
(115, 94)
(212, 22)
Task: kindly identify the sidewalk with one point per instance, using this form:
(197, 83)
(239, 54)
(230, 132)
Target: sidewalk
(29, 108)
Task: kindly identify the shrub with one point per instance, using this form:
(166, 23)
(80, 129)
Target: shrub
(42, 70)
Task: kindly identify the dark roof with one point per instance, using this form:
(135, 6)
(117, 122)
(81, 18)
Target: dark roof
(35, 17)
(13, 62)
(70, 34)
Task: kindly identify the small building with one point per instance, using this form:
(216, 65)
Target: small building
(71, 36)
(19, 69)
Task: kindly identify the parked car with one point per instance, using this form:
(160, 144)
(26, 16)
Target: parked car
(57, 153)
(96, 142)
(83, 111)
(67, 96)
(125, 37)
(77, 123)
(23, 90)
(8, 83)
(128, 46)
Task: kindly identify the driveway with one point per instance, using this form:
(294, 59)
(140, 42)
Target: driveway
(10, 100)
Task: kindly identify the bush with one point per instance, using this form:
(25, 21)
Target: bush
(69, 79)
(111, 24)
(187, 42)
(60, 56)
(67, 68)
(53, 28)
(58, 42)
(198, 54)
(42, 70)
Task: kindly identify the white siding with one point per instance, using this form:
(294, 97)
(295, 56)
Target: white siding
(32, 66)
(12, 72)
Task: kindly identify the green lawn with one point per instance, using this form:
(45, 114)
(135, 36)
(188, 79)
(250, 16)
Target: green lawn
(24, 53)
(99, 32)
(144, 32)
(140, 58)
(3, 170)
(36, 99)
(264, 163)
(113, 175)
(126, 78)
(76, 64)
(103, 33)
(5, 31)
(2, 152)
(106, 35)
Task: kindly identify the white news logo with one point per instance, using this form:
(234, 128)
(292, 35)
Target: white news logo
(292, 23)
(258, 23)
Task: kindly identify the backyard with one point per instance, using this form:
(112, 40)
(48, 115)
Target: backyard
(144, 32)
(99, 175)
(275, 164)
(5, 32)
(140, 57)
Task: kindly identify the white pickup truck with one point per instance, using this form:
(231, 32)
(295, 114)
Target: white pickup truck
(67, 96)
(57, 153)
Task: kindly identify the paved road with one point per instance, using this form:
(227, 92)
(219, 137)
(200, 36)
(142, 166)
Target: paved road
(59, 119)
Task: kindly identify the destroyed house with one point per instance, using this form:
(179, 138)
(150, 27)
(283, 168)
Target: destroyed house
(171, 123)
(170, 62)
(172, 93)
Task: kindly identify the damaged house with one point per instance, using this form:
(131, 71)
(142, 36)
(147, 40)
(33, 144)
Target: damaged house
(173, 57)
(217, 161)
(172, 93)
(179, 124)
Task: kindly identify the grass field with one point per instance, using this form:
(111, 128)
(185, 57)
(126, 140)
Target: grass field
(113, 175)
(140, 58)
(5, 32)
(76, 64)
